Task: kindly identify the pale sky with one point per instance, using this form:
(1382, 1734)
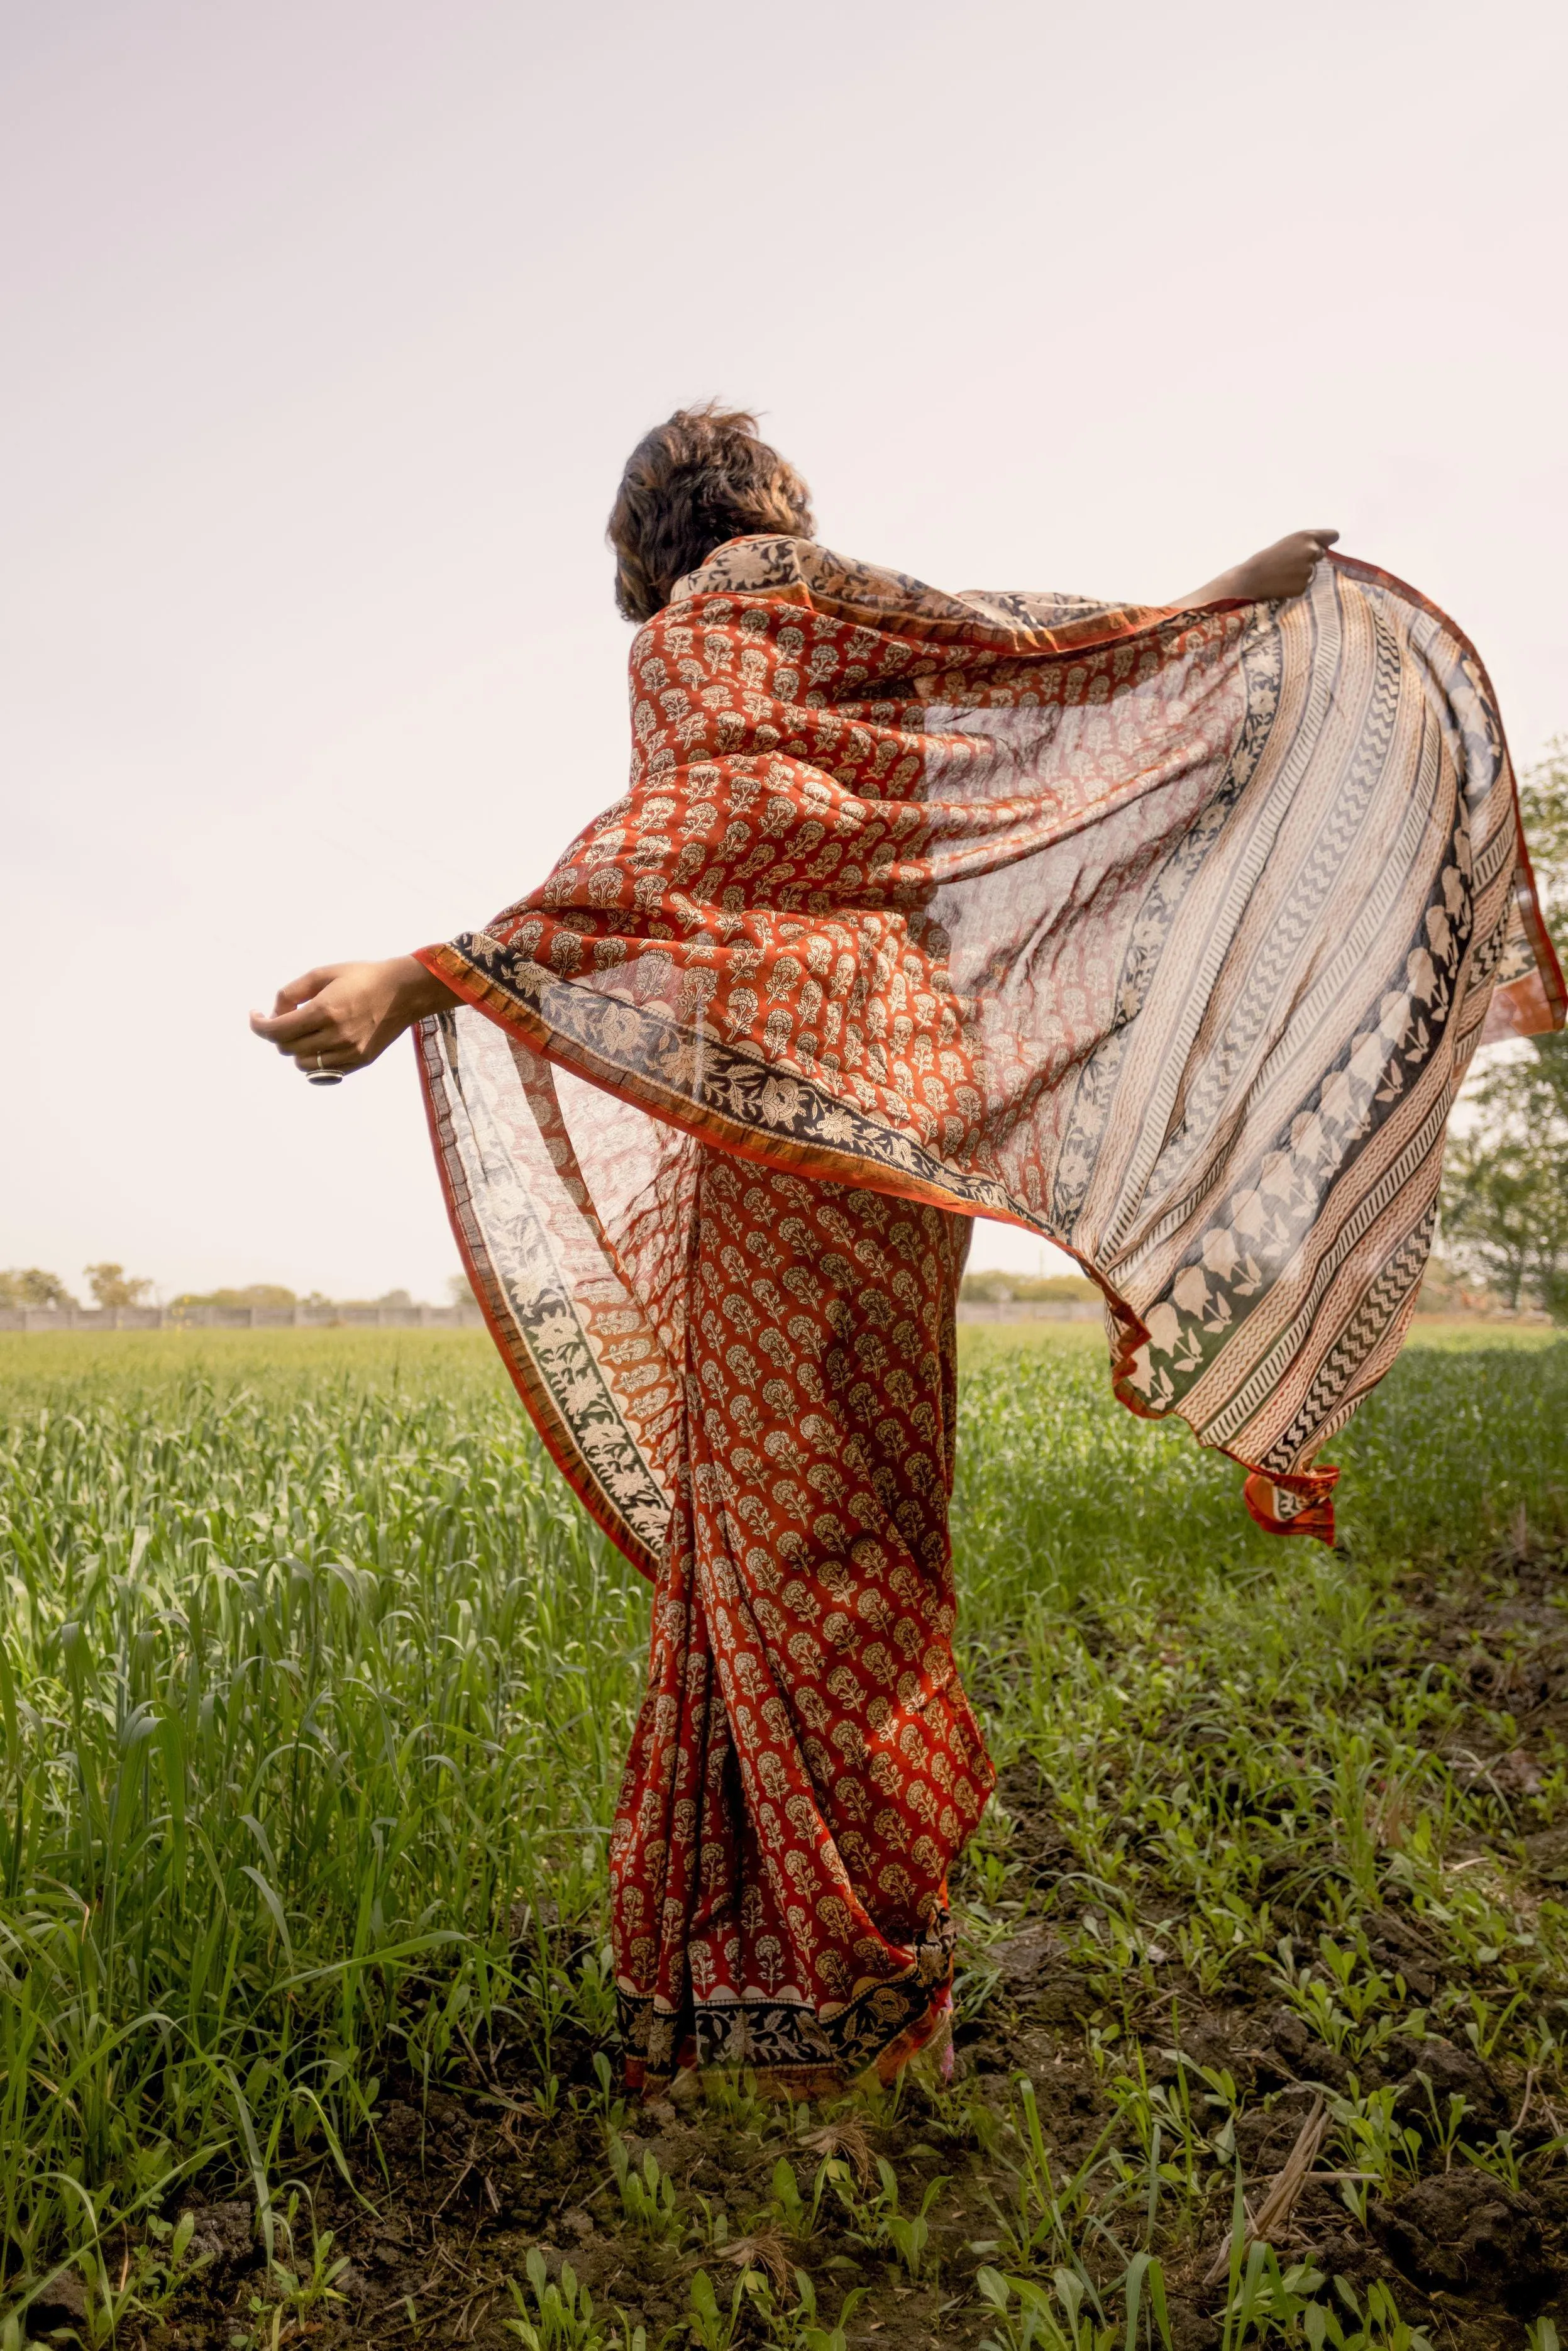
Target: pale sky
(328, 329)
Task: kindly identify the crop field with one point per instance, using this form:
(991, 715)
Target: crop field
(313, 1689)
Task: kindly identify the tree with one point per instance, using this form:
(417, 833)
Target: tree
(110, 1285)
(1543, 803)
(1505, 1185)
(31, 1286)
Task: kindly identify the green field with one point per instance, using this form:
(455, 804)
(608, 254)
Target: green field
(314, 1688)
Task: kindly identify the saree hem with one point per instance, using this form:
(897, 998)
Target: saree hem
(1297, 1502)
(793, 2051)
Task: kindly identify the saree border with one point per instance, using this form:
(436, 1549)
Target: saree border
(1292, 1502)
(733, 1101)
(549, 1417)
(790, 2043)
(1548, 968)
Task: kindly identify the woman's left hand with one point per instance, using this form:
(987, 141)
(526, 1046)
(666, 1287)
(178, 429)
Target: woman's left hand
(342, 1016)
(1273, 575)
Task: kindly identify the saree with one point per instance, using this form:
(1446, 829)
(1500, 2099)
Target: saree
(805, 1766)
(1166, 935)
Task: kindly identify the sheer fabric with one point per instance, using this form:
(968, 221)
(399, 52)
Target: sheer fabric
(1166, 935)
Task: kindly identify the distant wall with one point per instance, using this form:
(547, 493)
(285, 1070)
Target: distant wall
(466, 1317)
(416, 1318)
(1030, 1310)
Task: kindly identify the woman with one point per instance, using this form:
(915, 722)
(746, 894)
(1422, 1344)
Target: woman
(1166, 932)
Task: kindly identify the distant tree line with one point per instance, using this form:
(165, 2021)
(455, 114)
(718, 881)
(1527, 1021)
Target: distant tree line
(1030, 1290)
(110, 1285)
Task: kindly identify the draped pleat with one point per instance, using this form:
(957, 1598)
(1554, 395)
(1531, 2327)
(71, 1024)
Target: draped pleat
(1166, 935)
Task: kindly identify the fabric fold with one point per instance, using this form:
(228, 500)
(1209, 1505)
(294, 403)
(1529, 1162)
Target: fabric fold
(805, 1769)
(1166, 935)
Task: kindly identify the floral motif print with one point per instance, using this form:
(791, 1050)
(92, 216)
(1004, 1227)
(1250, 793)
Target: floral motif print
(806, 1766)
(1166, 935)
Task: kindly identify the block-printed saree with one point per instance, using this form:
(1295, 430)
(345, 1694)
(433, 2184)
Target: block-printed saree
(1166, 935)
(805, 1767)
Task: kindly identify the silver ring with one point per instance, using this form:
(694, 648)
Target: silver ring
(322, 1076)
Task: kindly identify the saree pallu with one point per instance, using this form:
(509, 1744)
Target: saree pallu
(1166, 935)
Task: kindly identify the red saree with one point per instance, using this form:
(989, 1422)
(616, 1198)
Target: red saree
(1166, 935)
(806, 1766)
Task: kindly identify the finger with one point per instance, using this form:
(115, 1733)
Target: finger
(327, 1040)
(322, 1043)
(295, 992)
(287, 1029)
(339, 1057)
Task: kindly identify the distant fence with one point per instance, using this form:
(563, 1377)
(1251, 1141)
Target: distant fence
(418, 1318)
(240, 1318)
(1030, 1310)
(468, 1317)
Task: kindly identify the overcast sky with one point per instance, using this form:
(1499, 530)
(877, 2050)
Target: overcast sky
(328, 327)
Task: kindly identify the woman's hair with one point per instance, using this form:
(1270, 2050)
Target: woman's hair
(690, 484)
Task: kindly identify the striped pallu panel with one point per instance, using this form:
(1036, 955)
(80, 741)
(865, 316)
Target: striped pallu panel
(1166, 935)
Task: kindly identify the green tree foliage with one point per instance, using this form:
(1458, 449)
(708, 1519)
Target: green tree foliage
(1543, 799)
(113, 1286)
(31, 1286)
(1505, 1187)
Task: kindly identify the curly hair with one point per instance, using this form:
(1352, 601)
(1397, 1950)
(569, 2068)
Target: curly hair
(699, 478)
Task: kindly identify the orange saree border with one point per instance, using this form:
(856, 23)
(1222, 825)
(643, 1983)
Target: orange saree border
(784, 884)
(1262, 1489)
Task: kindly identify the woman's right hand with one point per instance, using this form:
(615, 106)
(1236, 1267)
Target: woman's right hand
(343, 1016)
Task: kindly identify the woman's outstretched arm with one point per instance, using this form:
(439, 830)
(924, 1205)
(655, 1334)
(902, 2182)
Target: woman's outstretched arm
(342, 1016)
(1283, 570)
